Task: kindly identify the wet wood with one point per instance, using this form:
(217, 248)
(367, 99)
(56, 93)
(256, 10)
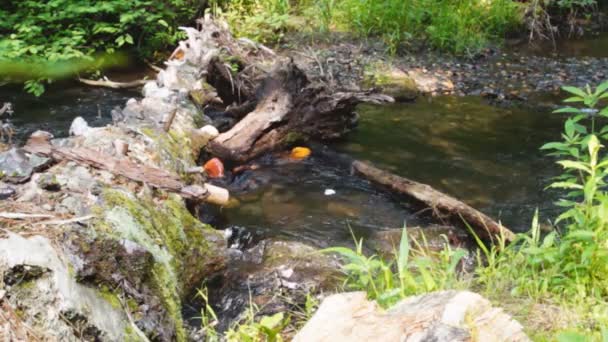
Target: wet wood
(442, 205)
(289, 107)
(155, 177)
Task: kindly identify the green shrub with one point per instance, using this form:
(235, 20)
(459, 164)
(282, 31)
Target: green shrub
(262, 20)
(33, 31)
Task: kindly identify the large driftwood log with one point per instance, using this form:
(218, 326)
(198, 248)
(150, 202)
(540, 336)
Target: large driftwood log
(290, 107)
(442, 205)
(39, 143)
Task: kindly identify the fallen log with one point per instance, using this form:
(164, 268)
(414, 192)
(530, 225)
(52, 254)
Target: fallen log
(289, 108)
(442, 205)
(39, 143)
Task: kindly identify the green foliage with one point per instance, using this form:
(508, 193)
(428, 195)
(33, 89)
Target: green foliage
(569, 266)
(58, 31)
(415, 270)
(262, 20)
(249, 329)
(462, 27)
(458, 26)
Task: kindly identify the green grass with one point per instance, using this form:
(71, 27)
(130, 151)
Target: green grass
(459, 26)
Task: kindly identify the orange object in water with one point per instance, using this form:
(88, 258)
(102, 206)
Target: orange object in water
(300, 152)
(214, 168)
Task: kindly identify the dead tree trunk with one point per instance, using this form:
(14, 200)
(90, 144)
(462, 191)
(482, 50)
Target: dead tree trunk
(290, 108)
(39, 144)
(442, 205)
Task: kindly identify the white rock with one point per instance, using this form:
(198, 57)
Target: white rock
(79, 127)
(52, 295)
(329, 192)
(209, 131)
(437, 316)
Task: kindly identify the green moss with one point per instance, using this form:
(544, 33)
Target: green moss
(170, 233)
(293, 137)
(174, 149)
(110, 297)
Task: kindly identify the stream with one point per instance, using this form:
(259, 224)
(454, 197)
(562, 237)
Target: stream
(483, 153)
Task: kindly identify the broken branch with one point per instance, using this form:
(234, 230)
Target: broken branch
(442, 204)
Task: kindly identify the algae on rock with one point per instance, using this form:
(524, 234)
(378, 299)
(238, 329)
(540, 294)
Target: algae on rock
(185, 250)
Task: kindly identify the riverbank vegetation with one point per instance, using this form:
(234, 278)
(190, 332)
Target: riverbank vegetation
(555, 282)
(86, 32)
(460, 27)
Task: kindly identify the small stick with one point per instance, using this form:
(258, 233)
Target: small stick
(169, 122)
(21, 216)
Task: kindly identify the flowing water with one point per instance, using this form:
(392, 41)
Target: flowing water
(485, 155)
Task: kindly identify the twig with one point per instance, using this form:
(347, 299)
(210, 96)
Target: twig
(169, 122)
(154, 67)
(61, 222)
(111, 84)
(21, 216)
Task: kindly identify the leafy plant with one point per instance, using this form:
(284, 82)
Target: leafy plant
(77, 30)
(414, 270)
(267, 328)
(568, 266)
(262, 20)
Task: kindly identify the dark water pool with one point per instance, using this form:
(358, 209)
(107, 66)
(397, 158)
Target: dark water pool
(485, 155)
(59, 105)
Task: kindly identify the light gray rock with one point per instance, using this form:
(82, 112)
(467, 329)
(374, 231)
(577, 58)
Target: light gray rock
(79, 127)
(50, 298)
(17, 166)
(438, 316)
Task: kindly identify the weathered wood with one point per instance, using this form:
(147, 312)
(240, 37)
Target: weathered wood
(289, 108)
(152, 176)
(111, 84)
(442, 205)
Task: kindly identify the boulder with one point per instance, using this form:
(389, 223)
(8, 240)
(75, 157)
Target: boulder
(38, 281)
(17, 166)
(438, 316)
(396, 83)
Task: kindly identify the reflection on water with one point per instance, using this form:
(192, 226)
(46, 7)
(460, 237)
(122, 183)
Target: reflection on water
(56, 108)
(586, 46)
(488, 157)
(484, 155)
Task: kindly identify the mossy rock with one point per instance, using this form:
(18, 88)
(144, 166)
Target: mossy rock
(185, 251)
(393, 82)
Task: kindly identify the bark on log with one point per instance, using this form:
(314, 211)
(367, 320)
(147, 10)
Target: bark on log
(152, 176)
(289, 108)
(442, 205)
